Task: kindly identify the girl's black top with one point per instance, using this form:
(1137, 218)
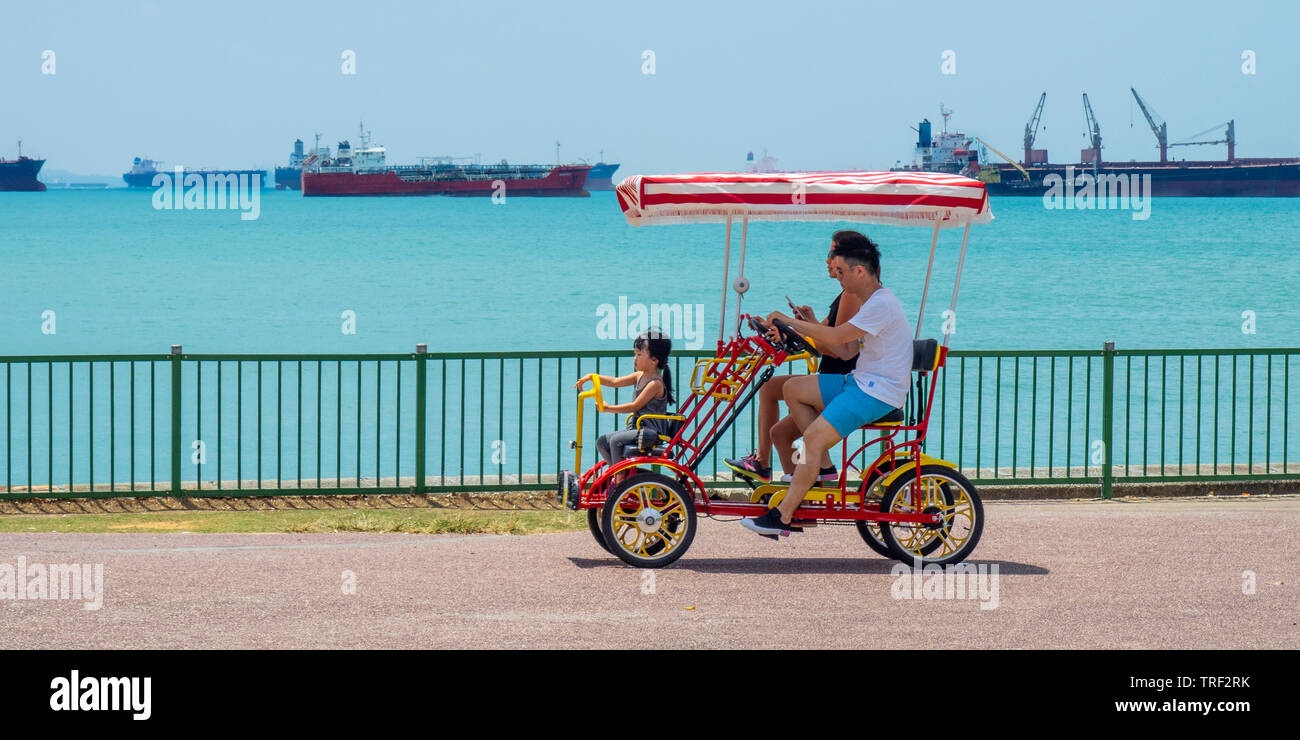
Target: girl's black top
(834, 365)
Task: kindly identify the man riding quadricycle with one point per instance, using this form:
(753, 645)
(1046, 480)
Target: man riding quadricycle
(906, 504)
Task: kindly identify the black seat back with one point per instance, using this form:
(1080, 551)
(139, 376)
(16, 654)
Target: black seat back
(925, 355)
(925, 360)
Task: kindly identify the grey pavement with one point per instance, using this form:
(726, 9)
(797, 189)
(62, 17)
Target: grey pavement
(1087, 575)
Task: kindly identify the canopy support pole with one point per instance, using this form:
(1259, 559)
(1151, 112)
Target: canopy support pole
(726, 265)
(951, 322)
(934, 240)
(741, 286)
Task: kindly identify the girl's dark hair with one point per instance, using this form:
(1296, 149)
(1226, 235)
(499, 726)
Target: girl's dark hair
(658, 345)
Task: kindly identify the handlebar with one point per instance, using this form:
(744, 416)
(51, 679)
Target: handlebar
(594, 393)
(792, 342)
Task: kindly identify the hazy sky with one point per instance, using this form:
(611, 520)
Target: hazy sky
(820, 85)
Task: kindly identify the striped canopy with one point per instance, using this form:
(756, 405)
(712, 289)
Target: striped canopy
(899, 198)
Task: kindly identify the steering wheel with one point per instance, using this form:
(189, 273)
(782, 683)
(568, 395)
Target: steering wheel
(794, 343)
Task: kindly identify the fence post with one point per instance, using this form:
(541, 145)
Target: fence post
(421, 350)
(176, 419)
(1107, 416)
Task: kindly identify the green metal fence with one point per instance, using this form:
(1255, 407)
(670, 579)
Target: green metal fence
(225, 424)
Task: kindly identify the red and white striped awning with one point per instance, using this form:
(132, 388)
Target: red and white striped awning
(899, 198)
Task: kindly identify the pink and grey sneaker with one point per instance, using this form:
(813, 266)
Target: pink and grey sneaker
(750, 467)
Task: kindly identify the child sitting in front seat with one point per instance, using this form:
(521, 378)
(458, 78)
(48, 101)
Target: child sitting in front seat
(654, 393)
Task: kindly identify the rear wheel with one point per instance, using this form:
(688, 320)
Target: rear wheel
(593, 523)
(942, 491)
(870, 531)
(648, 520)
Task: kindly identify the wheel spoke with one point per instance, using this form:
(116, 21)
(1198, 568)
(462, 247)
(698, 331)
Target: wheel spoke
(669, 539)
(676, 505)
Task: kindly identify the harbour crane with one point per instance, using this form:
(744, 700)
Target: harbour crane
(1161, 130)
(1229, 138)
(1009, 159)
(1031, 130)
(1095, 130)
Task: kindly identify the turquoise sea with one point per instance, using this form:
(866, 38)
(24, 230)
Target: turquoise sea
(467, 274)
(542, 274)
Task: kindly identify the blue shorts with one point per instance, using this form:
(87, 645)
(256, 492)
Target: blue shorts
(847, 407)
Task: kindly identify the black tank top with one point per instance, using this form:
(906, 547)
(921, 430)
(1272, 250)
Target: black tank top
(834, 365)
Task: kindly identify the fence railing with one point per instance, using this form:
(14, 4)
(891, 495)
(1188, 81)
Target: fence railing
(226, 424)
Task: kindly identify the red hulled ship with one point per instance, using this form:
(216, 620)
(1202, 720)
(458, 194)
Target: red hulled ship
(365, 171)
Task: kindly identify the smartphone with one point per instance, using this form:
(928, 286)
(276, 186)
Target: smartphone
(792, 306)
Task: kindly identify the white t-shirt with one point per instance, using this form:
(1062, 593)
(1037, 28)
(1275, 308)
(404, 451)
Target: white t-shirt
(884, 369)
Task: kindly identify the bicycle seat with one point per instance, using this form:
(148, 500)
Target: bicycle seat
(893, 417)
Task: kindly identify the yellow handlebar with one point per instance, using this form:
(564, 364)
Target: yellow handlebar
(593, 393)
(806, 357)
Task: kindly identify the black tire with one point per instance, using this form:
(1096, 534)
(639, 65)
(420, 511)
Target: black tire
(625, 538)
(947, 542)
(870, 531)
(593, 523)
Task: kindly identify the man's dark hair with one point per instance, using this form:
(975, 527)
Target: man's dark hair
(856, 249)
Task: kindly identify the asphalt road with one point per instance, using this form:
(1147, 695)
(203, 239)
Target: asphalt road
(1119, 574)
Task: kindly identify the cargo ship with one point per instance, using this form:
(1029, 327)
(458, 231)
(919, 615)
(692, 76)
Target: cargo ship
(365, 171)
(601, 176)
(143, 171)
(290, 178)
(958, 153)
(19, 175)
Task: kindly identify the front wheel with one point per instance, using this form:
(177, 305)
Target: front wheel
(648, 520)
(941, 491)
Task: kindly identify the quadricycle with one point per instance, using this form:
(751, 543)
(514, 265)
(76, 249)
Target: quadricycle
(905, 504)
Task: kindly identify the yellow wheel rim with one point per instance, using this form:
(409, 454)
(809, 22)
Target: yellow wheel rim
(959, 518)
(649, 520)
